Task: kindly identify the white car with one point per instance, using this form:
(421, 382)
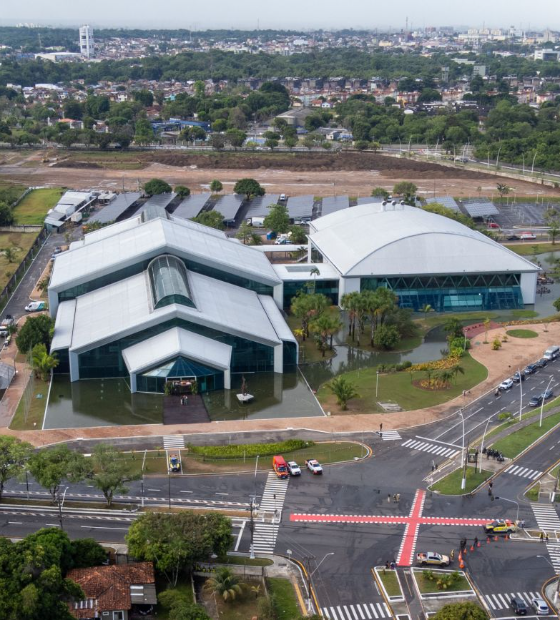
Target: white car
(314, 466)
(540, 606)
(506, 385)
(293, 468)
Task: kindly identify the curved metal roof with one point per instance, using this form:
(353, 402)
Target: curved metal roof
(378, 240)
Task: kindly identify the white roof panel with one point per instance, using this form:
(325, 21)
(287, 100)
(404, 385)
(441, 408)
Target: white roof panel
(149, 239)
(276, 318)
(64, 325)
(373, 240)
(176, 341)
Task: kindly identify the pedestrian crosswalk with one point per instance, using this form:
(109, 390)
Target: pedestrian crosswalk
(274, 493)
(272, 501)
(390, 435)
(546, 517)
(553, 549)
(174, 442)
(502, 601)
(427, 446)
(363, 611)
(524, 472)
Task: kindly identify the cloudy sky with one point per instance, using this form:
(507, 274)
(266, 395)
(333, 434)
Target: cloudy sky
(297, 14)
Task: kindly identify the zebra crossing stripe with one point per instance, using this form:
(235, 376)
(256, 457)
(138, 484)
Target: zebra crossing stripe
(501, 601)
(390, 435)
(176, 442)
(426, 446)
(546, 516)
(523, 472)
(362, 611)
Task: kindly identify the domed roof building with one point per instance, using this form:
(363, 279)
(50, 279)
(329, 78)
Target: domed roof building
(423, 257)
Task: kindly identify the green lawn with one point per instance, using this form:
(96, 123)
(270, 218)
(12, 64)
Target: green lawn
(22, 242)
(398, 387)
(533, 493)
(37, 402)
(325, 453)
(284, 598)
(522, 333)
(524, 314)
(527, 248)
(427, 586)
(184, 588)
(34, 207)
(515, 443)
(451, 484)
(390, 582)
(240, 560)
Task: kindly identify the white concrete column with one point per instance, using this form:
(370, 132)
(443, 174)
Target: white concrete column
(347, 285)
(53, 303)
(74, 366)
(227, 379)
(529, 287)
(278, 295)
(133, 383)
(279, 358)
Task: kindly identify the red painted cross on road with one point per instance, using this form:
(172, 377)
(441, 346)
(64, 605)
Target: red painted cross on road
(412, 523)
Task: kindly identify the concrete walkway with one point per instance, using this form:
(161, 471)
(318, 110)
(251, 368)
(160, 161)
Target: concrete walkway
(516, 353)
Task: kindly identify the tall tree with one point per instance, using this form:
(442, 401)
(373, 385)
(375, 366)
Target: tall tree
(176, 541)
(344, 390)
(111, 473)
(308, 308)
(216, 186)
(213, 219)
(157, 186)
(35, 330)
(278, 219)
(249, 187)
(224, 583)
(42, 362)
(51, 466)
(14, 455)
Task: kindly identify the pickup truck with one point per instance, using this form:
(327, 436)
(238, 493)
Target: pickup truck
(431, 558)
(4, 327)
(314, 466)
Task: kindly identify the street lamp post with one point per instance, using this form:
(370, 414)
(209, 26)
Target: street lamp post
(542, 402)
(376, 383)
(317, 567)
(511, 501)
(558, 581)
(520, 393)
(464, 478)
(60, 505)
(482, 444)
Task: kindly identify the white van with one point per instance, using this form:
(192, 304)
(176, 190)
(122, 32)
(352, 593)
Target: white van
(552, 353)
(36, 306)
(527, 236)
(256, 222)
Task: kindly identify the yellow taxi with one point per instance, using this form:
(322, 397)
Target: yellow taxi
(500, 526)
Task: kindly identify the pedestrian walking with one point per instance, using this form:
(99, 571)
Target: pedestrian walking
(522, 524)
(395, 498)
(389, 498)
(464, 393)
(381, 427)
(475, 544)
(546, 538)
(387, 564)
(542, 536)
(452, 554)
(489, 491)
(398, 497)
(393, 565)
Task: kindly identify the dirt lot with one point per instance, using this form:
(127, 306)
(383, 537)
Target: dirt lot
(321, 174)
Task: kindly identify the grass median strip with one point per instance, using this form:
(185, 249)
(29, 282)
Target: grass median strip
(451, 484)
(390, 582)
(432, 582)
(516, 442)
(283, 598)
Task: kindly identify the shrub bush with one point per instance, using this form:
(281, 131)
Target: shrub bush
(251, 449)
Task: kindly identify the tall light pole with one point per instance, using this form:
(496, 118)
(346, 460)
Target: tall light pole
(511, 501)
(482, 444)
(317, 567)
(520, 393)
(558, 582)
(464, 478)
(376, 383)
(542, 402)
(60, 506)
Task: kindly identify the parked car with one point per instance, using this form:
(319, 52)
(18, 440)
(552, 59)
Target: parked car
(536, 401)
(174, 463)
(506, 385)
(518, 606)
(541, 363)
(314, 466)
(5, 326)
(431, 558)
(499, 526)
(293, 468)
(530, 369)
(527, 236)
(493, 225)
(513, 238)
(540, 606)
(519, 376)
(36, 306)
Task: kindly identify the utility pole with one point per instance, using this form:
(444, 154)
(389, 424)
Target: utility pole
(307, 572)
(252, 527)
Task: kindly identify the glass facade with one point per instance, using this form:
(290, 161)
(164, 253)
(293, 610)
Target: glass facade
(154, 380)
(107, 361)
(453, 293)
(329, 288)
(169, 281)
(127, 272)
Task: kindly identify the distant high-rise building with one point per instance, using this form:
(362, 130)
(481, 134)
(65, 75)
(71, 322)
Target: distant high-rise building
(86, 42)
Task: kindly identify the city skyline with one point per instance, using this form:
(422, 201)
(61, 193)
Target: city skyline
(252, 14)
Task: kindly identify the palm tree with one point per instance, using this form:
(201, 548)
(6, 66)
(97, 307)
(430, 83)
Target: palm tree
(43, 284)
(326, 327)
(314, 271)
(457, 370)
(486, 327)
(349, 303)
(11, 253)
(426, 309)
(344, 390)
(224, 583)
(42, 362)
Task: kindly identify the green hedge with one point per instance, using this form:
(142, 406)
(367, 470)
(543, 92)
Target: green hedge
(250, 449)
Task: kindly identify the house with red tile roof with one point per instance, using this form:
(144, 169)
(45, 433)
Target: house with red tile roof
(111, 592)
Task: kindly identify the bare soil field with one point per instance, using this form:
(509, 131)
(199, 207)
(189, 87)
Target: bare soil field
(320, 174)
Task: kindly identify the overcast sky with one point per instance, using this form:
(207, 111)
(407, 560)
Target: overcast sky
(297, 14)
